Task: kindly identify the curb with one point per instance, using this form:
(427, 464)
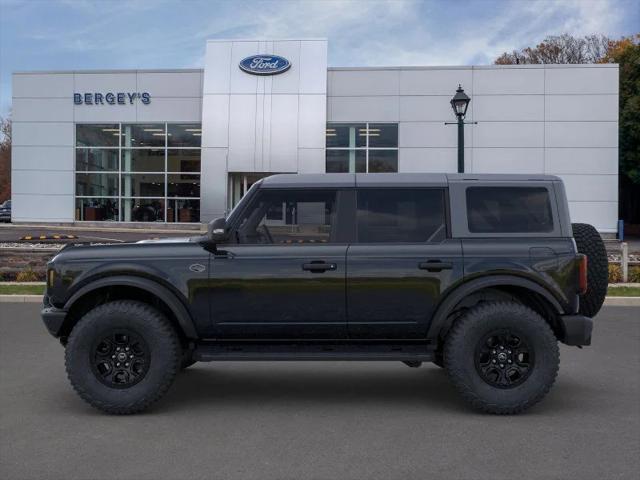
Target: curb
(609, 301)
(20, 298)
(622, 301)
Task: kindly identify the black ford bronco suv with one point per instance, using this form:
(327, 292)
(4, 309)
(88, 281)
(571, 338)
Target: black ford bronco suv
(481, 274)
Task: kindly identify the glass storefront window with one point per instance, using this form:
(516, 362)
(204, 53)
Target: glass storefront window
(146, 172)
(181, 185)
(142, 185)
(94, 135)
(96, 159)
(144, 135)
(96, 209)
(187, 161)
(183, 211)
(143, 209)
(383, 135)
(383, 161)
(143, 160)
(184, 135)
(96, 185)
(346, 135)
(361, 147)
(345, 161)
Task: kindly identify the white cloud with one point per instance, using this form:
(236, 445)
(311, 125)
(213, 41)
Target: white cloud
(405, 32)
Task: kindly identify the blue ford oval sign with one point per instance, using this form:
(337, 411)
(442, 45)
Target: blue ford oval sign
(265, 64)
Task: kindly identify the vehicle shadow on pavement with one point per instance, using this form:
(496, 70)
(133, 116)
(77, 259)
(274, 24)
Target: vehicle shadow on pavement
(219, 385)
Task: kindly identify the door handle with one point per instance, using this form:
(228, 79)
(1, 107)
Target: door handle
(318, 267)
(435, 266)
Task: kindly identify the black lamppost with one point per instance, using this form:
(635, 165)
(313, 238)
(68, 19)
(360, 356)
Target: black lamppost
(459, 104)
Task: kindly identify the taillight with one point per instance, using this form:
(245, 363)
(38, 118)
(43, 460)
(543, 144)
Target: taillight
(582, 274)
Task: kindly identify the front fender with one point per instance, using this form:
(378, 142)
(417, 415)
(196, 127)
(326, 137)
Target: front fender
(164, 294)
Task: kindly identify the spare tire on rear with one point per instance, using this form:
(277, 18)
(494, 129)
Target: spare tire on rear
(590, 243)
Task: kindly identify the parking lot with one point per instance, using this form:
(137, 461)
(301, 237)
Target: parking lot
(335, 420)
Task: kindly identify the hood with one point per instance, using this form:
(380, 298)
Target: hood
(167, 240)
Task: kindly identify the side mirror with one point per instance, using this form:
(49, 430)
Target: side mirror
(217, 230)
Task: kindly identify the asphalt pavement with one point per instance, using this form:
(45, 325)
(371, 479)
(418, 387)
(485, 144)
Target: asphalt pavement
(333, 420)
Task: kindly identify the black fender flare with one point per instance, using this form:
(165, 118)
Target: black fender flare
(441, 323)
(164, 294)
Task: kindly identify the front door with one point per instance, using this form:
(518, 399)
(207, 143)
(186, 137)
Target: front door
(284, 275)
(401, 263)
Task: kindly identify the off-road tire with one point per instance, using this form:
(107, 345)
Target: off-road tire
(460, 357)
(152, 327)
(590, 243)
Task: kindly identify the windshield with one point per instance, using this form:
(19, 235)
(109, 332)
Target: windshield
(242, 201)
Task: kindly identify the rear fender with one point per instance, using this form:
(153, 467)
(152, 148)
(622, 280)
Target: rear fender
(442, 318)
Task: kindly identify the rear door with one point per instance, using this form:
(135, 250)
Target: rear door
(401, 263)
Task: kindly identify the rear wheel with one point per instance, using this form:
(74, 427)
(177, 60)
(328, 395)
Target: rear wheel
(122, 356)
(589, 242)
(502, 357)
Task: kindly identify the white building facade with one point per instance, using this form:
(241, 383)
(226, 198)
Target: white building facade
(182, 146)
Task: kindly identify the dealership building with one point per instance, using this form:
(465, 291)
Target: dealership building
(182, 146)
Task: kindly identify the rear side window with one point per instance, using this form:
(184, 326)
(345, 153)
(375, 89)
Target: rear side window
(401, 215)
(509, 210)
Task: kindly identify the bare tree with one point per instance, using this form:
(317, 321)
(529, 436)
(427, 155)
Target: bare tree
(560, 49)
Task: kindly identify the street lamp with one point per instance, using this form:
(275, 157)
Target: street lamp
(459, 104)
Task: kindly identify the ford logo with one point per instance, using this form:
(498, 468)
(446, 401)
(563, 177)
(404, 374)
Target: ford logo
(265, 64)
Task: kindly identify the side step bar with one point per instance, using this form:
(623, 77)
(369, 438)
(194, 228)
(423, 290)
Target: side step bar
(298, 351)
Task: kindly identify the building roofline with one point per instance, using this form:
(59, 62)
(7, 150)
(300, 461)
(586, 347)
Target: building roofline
(116, 70)
(479, 67)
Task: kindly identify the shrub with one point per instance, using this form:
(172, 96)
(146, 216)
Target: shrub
(27, 276)
(634, 274)
(615, 273)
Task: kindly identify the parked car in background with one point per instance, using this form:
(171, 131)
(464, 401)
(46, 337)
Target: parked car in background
(5, 211)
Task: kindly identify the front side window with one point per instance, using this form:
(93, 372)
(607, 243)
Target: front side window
(361, 147)
(401, 215)
(509, 210)
(294, 217)
(147, 172)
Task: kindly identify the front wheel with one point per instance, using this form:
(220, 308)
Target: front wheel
(122, 356)
(502, 357)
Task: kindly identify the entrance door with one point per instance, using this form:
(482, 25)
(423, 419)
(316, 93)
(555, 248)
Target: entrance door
(401, 263)
(285, 275)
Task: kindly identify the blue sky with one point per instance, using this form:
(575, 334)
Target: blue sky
(104, 34)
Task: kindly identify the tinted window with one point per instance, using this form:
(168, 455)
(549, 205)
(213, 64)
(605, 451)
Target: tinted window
(289, 217)
(401, 215)
(509, 210)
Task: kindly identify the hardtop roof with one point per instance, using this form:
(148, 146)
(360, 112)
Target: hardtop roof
(345, 180)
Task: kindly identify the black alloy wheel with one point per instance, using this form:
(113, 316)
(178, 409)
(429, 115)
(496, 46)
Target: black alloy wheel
(503, 359)
(121, 359)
